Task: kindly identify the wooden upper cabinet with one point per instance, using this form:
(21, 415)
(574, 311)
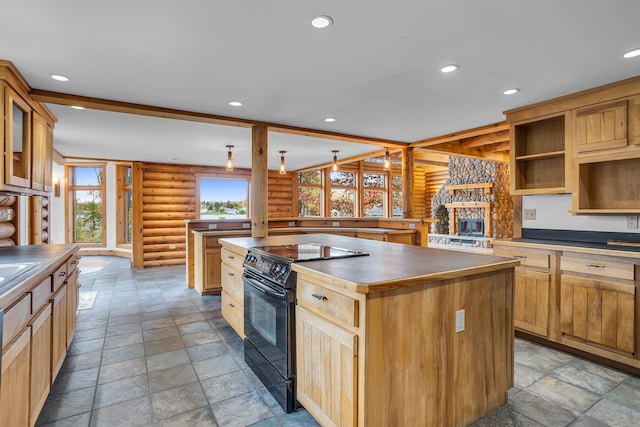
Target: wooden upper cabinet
(602, 126)
(538, 155)
(17, 140)
(41, 165)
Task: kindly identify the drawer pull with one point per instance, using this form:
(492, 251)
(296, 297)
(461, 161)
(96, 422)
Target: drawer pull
(595, 265)
(74, 262)
(63, 273)
(230, 256)
(230, 274)
(320, 297)
(231, 305)
(520, 256)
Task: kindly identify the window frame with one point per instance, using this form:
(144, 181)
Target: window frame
(384, 190)
(355, 188)
(121, 205)
(246, 177)
(320, 187)
(71, 188)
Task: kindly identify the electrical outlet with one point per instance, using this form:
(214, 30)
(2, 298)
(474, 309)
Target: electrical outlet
(292, 223)
(459, 321)
(336, 224)
(172, 246)
(246, 225)
(529, 214)
(632, 222)
(412, 226)
(213, 226)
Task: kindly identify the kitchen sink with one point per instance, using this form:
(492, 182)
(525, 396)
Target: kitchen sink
(9, 272)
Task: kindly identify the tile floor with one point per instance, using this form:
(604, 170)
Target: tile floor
(150, 352)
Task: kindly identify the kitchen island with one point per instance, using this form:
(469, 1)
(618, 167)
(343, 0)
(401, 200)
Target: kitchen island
(405, 336)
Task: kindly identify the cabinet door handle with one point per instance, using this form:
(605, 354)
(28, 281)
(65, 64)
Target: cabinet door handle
(231, 305)
(230, 274)
(595, 265)
(230, 257)
(520, 256)
(320, 297)
(74, 262)
(63, 273)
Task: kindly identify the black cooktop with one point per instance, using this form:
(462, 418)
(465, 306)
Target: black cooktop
(308, 252)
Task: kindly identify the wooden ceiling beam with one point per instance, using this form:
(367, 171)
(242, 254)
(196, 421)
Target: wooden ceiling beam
(490, 138)
(457, 149)
(170, 113)
(483, 130)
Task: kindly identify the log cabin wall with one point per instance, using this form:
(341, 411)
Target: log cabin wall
(419, 196)
(39, 230)
(434, 180)
(166, 195)
(8, 218)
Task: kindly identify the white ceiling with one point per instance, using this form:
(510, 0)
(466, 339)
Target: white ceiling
(376, 70)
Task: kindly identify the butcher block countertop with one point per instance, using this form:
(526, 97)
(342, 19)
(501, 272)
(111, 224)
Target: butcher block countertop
(584, 247)
(388, 266)
(46, 258)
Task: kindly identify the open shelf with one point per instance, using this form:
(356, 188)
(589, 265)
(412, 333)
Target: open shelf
(608, 187)
(549, 155)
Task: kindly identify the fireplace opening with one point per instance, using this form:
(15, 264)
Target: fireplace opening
(471, 227)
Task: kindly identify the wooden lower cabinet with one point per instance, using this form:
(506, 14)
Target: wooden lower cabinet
(207, 265)
(58, 330)
(232, 297)
(598, 312)
(327, 369)
(531, 309)
(72, 306)
(40, 362)
(16, 367)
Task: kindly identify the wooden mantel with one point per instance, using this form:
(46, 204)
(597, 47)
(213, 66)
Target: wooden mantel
(488, 209)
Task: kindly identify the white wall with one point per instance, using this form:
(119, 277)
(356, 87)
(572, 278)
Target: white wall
(552, 213)
(56, 212)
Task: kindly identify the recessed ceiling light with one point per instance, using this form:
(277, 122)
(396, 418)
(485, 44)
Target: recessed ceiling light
(235, 103)
(631, 54)
(77, 107)
(511, 91)
(322, 21)
(449, 68)
(60, 77)
(329, 120)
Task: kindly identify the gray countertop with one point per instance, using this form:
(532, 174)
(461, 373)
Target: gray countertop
(46, 259)
(565, 245)
(388, 266)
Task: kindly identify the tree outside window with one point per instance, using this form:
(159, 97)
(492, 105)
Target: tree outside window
(310, 193)
(374, 194)
(124, 200)
(343, 194)
(223, 198)
(86, 189)
(396, 196)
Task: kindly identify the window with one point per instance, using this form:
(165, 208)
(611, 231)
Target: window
(396, 196)
(310, 193)
(343, 194)
(124, 211)
(86, 190)
(223, 198)
(374, 194)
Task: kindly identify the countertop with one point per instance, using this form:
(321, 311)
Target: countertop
(312, 229)
(388, 266)
(584, 247)
(47, 258)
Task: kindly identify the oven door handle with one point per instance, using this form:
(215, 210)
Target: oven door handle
(263, 288)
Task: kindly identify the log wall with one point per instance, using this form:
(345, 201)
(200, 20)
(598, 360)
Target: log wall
(8, 214)
(166, 195)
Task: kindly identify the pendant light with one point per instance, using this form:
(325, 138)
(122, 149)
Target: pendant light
(387, 160)
(283, 168)
(229, 159)
(335, 160)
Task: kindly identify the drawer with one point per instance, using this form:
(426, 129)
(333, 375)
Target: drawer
(233, 259)
(527, 257)
(59, 277)
(72, 265)
(598, 267)
(233, 312)
(40, 295)
(211, 242)
(333, 305)
(15, 318)
(232, 282)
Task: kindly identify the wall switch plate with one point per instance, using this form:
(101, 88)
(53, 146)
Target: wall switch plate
(292, 223)
(459, 321)
(246, 225)
(336, 223)
(213, 226)
(412, 226)
(632, 222)
(172, 246)
(529, 214)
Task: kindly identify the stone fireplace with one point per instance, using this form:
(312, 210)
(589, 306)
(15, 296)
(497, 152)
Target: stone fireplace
(476, 201)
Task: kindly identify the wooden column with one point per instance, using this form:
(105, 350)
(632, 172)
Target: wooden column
(137, 244)
(407, 182)
(259, 180)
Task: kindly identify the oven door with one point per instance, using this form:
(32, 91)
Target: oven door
(268, 317)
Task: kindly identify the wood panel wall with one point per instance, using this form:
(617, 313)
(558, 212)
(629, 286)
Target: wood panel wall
(434, 180)
(427, 181)
(166, 195)
(8, 214)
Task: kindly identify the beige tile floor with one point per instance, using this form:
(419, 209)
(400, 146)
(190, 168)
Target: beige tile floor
(150, 352)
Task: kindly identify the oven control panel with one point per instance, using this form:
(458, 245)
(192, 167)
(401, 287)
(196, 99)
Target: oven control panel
(269, 266)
